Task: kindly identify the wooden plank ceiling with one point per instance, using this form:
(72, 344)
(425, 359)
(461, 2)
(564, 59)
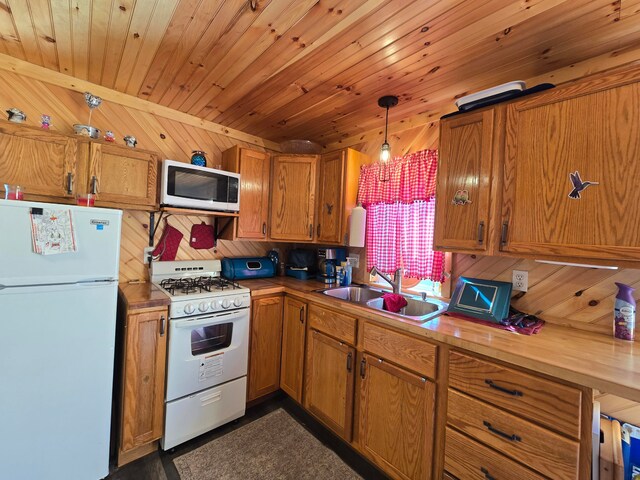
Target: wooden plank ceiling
(312, 69)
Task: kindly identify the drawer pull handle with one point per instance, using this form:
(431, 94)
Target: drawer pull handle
(363, 368)
(515, 393)
(480, 233)
(487, 476)
(302, 315)
(511, 438)
(349, 362)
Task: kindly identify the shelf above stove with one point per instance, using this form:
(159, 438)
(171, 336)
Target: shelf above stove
(189, 211)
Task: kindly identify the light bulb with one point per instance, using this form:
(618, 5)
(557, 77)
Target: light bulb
(385, 152)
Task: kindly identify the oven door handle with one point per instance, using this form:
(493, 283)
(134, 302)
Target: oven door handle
(210, 319)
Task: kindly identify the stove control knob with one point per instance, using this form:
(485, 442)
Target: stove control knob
(213, 305)
(237, 302)
(189, 309)
(203, 307)
(226, 303)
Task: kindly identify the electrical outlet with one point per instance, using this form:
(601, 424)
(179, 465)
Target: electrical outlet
(520, 280)
(354, 259)
(147, 255)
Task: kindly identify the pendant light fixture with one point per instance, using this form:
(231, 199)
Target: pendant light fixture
(386, 102)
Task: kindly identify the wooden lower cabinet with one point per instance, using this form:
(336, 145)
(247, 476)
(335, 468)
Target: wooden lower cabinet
(396, 418)
(265, 346)
(329, 382)
(144, 356)
(293, 337)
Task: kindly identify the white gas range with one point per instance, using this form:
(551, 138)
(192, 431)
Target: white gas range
(208, 348)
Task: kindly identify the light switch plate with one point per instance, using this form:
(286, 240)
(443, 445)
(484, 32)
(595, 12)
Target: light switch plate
(520, 280)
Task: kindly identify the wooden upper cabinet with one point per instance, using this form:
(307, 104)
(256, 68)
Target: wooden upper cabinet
(329, 381)
(265, 346)
(43, 163)
(396, 418)
(464, 182)
(337, 192)
(122, 176)
(293, 192)
(143, 378)
(590, 128)
(331, 197)
(293, 339)
(255, 170)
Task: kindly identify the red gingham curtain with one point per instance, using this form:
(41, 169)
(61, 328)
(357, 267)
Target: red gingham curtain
(400, 215)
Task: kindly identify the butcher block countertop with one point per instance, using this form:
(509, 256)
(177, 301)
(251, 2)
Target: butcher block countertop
(143, 295)
(585, 358)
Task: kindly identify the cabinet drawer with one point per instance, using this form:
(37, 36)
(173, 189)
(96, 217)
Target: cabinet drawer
(544, 451)
(551, 404)
(332, 323)
(470, 460)
(409, 352)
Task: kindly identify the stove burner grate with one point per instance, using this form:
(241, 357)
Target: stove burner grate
(189, 285)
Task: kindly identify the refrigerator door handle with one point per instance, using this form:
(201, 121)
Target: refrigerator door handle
(80, 282)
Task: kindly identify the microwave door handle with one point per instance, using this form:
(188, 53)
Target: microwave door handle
(210, 320)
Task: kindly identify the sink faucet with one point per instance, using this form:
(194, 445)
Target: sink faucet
(396, 283)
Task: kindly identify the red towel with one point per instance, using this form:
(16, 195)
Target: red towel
(392, 302)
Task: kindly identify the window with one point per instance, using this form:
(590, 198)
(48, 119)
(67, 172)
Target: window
(400, 217)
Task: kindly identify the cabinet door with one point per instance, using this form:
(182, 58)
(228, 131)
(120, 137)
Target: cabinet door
(464, 180)
(329, 382)
(42, 163)
(396, 418)
(590, 129)
(265, 346)
(330, 208)
(293, 335)
(255, 169)
(293, 197)
(122, 175)
(144, 369)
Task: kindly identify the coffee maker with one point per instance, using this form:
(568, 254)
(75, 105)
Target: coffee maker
(328, 258)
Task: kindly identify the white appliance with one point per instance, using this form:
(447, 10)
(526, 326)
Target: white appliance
(208, 348)
(190, 186)
(57, 338)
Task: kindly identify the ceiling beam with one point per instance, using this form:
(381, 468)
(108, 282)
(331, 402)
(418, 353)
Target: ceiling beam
(42, 74)
(571, 72)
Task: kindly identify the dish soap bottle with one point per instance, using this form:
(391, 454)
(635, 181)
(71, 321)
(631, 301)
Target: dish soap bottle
(624, 313)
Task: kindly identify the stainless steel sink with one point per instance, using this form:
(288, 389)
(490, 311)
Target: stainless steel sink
(354, 293)
(417, 309)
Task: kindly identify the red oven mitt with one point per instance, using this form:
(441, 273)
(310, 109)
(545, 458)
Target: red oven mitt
(202, 236)
(167, 247)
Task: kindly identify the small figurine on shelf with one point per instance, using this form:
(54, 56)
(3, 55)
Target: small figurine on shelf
(109, 136)
(45, 121)
(16, 115)
(198, 157)
(131, 141)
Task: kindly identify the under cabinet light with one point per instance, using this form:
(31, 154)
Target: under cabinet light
(582, 265)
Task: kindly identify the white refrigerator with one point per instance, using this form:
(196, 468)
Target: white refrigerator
(57, 338)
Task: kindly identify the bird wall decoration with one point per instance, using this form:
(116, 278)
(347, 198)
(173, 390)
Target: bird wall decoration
(578, 185)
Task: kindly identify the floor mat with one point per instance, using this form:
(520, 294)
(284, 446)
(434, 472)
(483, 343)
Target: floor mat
(272, 447)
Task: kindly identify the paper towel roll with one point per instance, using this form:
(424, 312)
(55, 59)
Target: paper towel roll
(357, 226)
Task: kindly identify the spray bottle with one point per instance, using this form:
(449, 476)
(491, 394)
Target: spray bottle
(624, 313)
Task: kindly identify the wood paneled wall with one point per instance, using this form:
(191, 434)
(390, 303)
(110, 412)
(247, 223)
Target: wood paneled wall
(172, 139)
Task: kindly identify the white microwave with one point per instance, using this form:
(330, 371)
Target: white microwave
(189, 186)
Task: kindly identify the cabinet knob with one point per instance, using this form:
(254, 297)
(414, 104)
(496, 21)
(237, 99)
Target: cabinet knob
(69, 183)
(503, 236)
(481, 232)
(94, 185)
